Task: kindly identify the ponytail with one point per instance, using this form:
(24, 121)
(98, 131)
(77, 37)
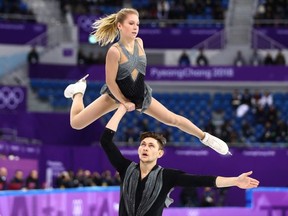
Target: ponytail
(105, 29)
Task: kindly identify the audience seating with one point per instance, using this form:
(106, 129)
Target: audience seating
(198, 107)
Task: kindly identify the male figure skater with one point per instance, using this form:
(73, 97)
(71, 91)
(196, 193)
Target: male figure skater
(145, 186)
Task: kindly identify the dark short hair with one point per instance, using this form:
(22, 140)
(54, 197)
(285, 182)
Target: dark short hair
(157, 136)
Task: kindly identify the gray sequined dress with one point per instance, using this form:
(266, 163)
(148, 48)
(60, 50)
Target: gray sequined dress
(136, 90)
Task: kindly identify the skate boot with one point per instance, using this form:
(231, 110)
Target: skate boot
(78, 87)
(216, 144)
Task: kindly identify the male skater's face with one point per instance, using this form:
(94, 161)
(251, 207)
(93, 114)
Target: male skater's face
(149, 150)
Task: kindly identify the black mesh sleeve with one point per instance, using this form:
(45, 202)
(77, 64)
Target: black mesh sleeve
(113, 153)
(182, 179)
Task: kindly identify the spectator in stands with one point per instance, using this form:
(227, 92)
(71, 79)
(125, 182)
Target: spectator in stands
(143, 125)
(272, 10)
(255, 59)
(107, 179)
(272, 114)
(247, 132)
(192, 7)
(184, 59)
(189, 197)
(177, 10)
(125, 81)
(91, 59)
(208, 197)
(97, 178)
(280, 59)
(228, 133)
(32, 181)
(163, 9)
(18, 8)
(281, 132)
(79, 178)
(268, 60)
(218, 120)
(65, 7)
(256, 96)
(201, 59)
(239, 60)
(236, 99)
(3, 178)
(72, 176)
(131, 135)
(81, 58)
(33, 56)
(64, 180)
(260, 115)
(222, 195)
(246, 97)
(88, 180)
(218, 11)
(17, 182)
(266, 99)
(260, 12)
(245, 104)
(167, 134)
(269, 134)
(210, 128)
(154, 182)
(28, 13)
(100, 59)
(116, 179)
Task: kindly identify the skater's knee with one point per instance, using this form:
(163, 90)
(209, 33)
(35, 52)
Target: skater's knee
(173, 120)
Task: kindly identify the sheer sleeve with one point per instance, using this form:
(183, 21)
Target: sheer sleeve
(113, 153)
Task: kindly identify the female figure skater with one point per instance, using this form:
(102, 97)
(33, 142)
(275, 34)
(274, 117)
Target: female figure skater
(145, 186)
(125, 72)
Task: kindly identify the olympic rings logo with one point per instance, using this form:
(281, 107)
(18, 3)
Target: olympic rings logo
(11, 97)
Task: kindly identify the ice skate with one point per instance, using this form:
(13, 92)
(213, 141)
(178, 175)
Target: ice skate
(78, 87)
(216, 144)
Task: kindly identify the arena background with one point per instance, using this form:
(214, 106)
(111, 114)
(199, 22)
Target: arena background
(46, 45)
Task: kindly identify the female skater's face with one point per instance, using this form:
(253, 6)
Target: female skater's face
(130, 27)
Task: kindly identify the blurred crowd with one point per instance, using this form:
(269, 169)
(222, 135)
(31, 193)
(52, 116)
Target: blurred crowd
(189, 197)
(256, 111)
(249, 118)
(203, 197)
(90, 58)
(16, 10)
(66, 179)
(149, 9)
(86, 178)
(275, 10)
(19, 181)
(255, 59)
(201, 59)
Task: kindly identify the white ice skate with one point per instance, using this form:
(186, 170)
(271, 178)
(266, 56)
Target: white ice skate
(78, 87)
(216, 144)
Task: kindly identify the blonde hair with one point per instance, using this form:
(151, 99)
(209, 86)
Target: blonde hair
(105, 29)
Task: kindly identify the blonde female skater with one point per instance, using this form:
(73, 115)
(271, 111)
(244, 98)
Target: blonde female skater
(125, 72)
